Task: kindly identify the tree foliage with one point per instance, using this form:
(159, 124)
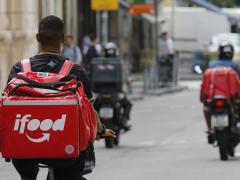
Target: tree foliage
(221, 3)
(224, 3)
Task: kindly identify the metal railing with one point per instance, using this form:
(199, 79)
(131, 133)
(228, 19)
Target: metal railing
(162, 73)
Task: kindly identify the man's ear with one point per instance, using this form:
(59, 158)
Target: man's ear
(38, 37)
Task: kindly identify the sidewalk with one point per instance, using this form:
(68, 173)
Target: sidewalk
(165, 90)
(139, 94)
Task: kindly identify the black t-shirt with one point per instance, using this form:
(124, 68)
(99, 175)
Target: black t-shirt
(41, 62)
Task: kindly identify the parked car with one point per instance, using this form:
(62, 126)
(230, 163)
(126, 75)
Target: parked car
(199, 62)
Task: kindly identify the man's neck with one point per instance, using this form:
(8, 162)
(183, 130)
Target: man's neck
(55, 50)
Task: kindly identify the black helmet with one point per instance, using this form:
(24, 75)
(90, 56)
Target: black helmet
(226, 51)
(110, 50)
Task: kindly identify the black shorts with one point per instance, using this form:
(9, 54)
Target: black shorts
(62, 168)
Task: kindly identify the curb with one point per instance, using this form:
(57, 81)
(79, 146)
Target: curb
(190, 78)
(168, 90)
(157, 92)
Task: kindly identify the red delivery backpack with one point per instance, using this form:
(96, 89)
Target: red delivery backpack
(43, 115)
(222, 81)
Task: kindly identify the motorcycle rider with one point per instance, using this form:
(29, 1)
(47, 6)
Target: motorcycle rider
(226, 53)
(111, 51)
(50, 37)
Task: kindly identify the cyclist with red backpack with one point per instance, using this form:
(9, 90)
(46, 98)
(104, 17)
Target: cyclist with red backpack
(50, 37)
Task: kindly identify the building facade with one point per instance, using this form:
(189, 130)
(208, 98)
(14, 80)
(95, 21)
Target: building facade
(19, 23)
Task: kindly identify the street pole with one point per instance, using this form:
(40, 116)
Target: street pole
(156, 27)
(104, 27)
(156, 68)
(173, 17)
(98, 20)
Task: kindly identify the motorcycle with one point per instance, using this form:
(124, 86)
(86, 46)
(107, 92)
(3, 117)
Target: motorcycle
(225, 122)
(107, 81)
(111, 115)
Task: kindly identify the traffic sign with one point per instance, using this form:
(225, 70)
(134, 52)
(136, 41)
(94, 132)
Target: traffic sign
(139, 9)
(105, 5)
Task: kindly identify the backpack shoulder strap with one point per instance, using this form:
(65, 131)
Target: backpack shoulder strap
(66, 68)
(26, 66)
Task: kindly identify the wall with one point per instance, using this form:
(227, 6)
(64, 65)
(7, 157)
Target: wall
(19, 21)
(192, 27)
(64, 9)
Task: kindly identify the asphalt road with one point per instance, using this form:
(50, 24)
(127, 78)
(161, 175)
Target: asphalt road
(167, 142)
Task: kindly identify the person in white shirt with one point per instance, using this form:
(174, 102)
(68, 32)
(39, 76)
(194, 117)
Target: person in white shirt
(165, 45)
(165, 59)
(71, 51)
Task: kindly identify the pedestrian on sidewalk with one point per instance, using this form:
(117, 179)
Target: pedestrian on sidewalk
(165, 45)
(71, 50)
(165, 59)
(94, 50)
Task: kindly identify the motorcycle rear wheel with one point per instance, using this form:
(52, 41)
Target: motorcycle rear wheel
(223, 153)
(222, 139)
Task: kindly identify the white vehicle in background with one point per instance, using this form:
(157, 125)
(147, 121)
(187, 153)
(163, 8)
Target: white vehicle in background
(216, 40)
(193, 27)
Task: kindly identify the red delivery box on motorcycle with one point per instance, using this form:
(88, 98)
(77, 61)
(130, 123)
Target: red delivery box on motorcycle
(222, 81)
(40, 128)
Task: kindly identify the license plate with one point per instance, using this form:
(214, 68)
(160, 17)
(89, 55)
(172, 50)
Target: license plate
(220, 121)
(106, 113)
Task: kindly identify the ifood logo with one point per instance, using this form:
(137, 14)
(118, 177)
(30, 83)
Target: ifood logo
(24, 122)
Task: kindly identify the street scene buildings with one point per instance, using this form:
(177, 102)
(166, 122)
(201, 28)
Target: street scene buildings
(20, 19)
(171, 89)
